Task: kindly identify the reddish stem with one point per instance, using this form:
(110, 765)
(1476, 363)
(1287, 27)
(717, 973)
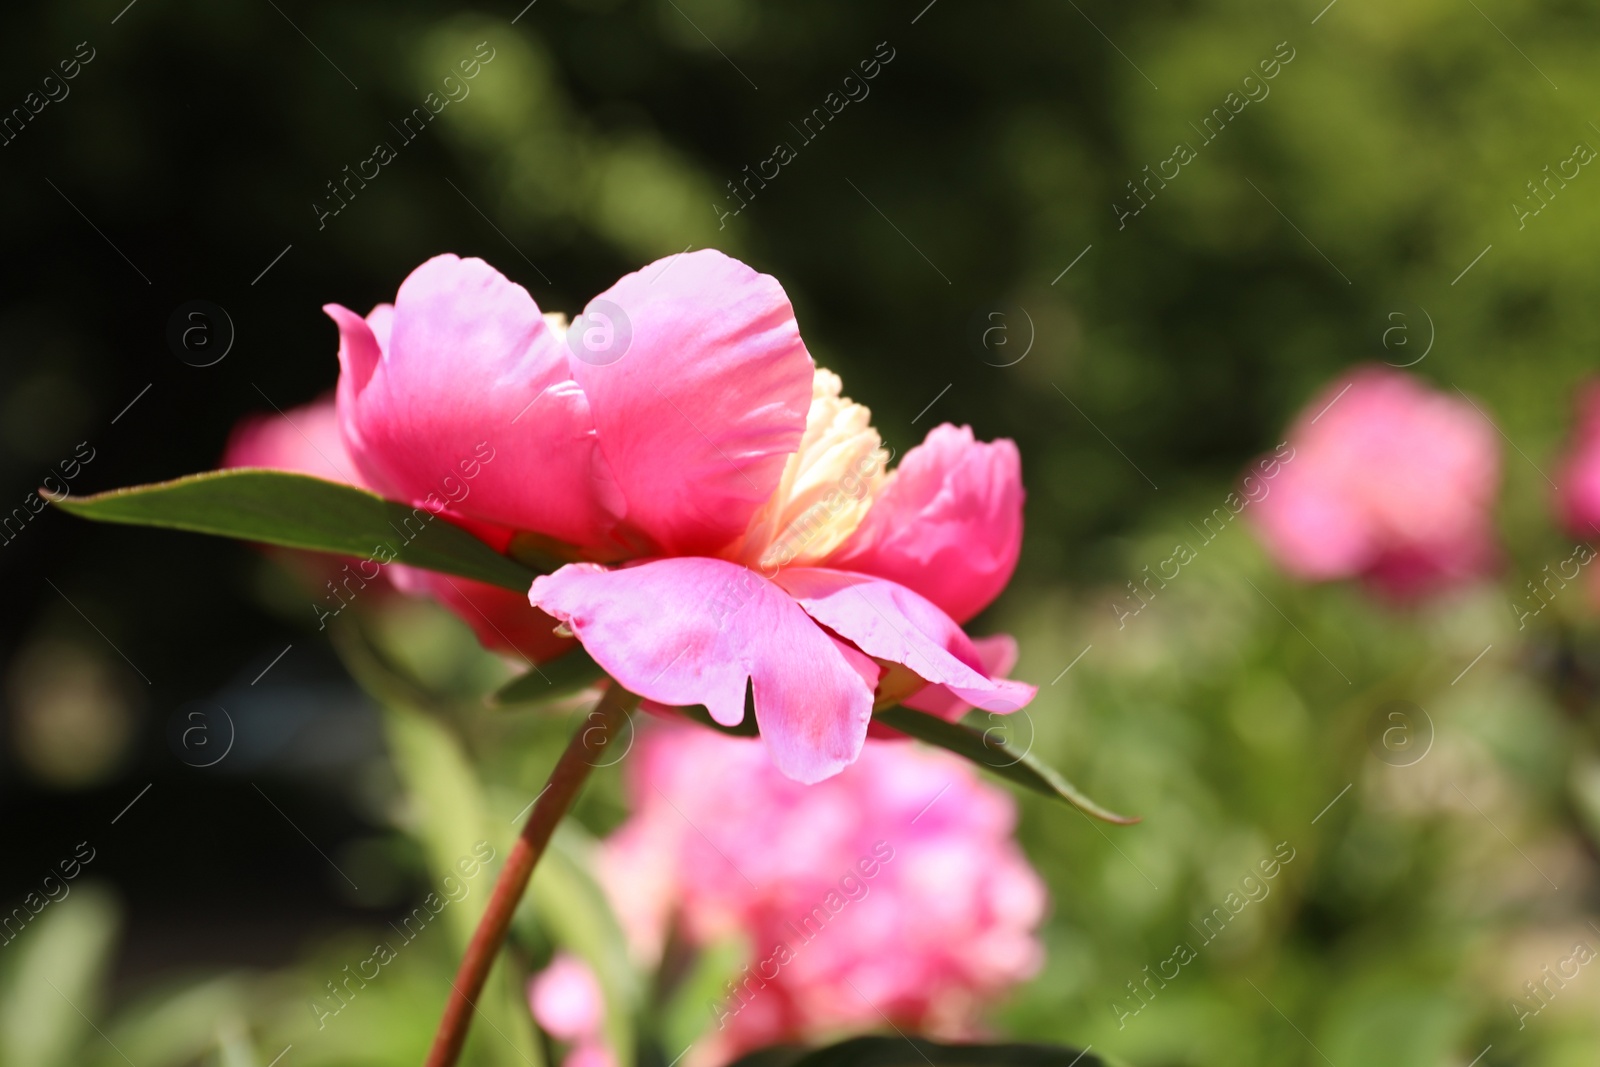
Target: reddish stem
(583, 750)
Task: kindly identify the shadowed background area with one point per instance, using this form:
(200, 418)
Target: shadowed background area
(996, 228)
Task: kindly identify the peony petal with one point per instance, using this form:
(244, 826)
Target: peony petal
(380, 320)
(890, 622)
(692, 630)
(471, 404)
(697, 414)
(995, 657)
(948, 524)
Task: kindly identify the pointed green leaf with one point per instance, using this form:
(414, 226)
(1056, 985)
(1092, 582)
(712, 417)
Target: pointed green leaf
(298, 511)
(994, 755)
(987, 751)
(552, 680)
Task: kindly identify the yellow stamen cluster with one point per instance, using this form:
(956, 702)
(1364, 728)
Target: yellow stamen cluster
(827, 486)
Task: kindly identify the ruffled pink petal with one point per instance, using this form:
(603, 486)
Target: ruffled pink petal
(890, 622)
(948, 524)
(503, 620)
(692, 630)
(698, 413)
(995, 657)
(471, 392)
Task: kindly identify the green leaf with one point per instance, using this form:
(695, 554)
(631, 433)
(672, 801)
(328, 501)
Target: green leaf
(987, 751)
(552, 680)
(686, 1013)
(994, 755)
(298, 511)
(56, 970)
(916, 1052)
(450, 818)
(170, 1024)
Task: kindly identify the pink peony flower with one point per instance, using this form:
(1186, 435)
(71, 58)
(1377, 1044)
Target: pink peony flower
(893, 890)
(1579, 477)
(306, 440)
(1389, 481)
(726, 511)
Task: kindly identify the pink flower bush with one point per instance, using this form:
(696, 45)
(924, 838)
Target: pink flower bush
(1389, 481)
(726, 513)
(1579, 477)
(892, 890)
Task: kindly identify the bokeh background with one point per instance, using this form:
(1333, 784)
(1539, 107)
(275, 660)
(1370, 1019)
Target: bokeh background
(959, 244)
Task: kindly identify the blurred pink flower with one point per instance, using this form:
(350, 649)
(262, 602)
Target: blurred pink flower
(566, 1000)
(683, 432)
(1389, 481)
(1579, 477)
(304, 440)
(892, 890)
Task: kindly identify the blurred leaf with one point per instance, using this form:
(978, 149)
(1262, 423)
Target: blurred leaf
(172, 1027)
(997, 757)
(447, 809)
(48, 1000)
(450, 818)
(916, 1052)
(233, 1044)
(692, 1005)
(576, 914)
(557, 678)
(297, 511)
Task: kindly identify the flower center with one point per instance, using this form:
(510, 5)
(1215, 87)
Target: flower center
(827, 486)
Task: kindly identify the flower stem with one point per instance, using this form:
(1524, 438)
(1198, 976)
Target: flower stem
(583, 751)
